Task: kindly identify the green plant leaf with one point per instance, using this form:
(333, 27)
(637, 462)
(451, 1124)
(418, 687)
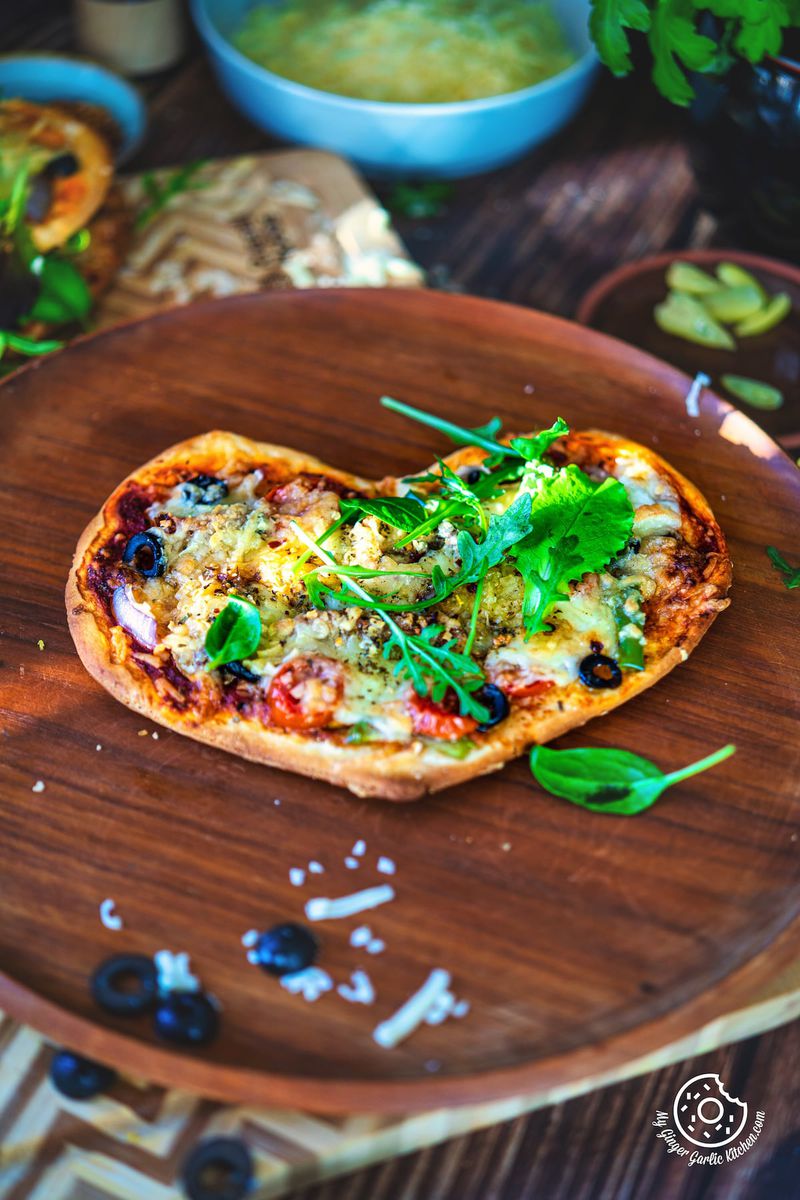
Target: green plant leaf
(182, 179)
(610, 781)
(25, 345)
(533, 448)
(234, 634)
(791, 575)
(576, 526)
(402, 512)
(608, 21)
(435, 669)
(65, 295)
(675, 43)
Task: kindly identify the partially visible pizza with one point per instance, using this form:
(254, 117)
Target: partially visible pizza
(394, 637)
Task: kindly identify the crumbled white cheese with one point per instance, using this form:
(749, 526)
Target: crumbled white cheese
(693, 395)
(38, 786)
(411, 1014)
(359, 990)
(360, 848)
(386, 866)
(351, 863)
(440, 1010)
(375, 946)
(174, 973)
(297, 876)
(311, 983)
(109, 918)
(323, 909)
(250, 938)
(461, 1008)
(361, 936)
(316, 868)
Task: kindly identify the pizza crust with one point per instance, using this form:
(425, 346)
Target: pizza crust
(393, 771)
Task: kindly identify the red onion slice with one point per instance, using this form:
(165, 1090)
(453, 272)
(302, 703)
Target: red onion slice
(135, 618)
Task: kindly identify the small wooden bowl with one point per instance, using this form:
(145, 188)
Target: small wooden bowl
(622, 303)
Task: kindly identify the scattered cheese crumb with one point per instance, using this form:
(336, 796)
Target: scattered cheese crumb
(174, 972)
(99, 746)
(250, 938)
(297, 876)
(316, 868)
(376, 946)
(40, 644)
(386, 866)
(461, 1008)
(440, 1010)
(693, 396)
(323, 909)
(351, 863)
(506, 846)
(361, 936)
(154, 736)
(411, 1014)
(276, 803)
(359, 849)
(311, 983)
(253, 957)
(38, 786)
(109, 918)
(361, 991)
(142, 733)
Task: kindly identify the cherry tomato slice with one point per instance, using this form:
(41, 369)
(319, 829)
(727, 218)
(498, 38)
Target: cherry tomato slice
(305, 692)
(441, 721)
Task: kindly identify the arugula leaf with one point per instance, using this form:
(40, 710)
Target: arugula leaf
(318, 591)
(610, 781)
(791, 575)
(234, 634)
(532, 448)
(419, 659)
(435, 670)
(180, 180)
(576, 526)
(607, 23)
(504, 532)
(457, 433)
(402, 512)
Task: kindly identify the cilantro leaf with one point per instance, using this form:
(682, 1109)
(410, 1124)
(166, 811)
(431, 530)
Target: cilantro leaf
(607, 23)
(576, 526)
(674, 40)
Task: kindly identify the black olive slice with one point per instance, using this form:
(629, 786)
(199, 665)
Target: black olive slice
(108, 990)
(62, 167)
(600, 671)
(491, 697)
(204, 489)
(145, 552)
(218, 1169)
(186, 1018)
(240, 671)
(286, 948)
(79, 1078)
(471, 475)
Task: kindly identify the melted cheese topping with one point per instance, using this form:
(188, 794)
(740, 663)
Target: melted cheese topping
(246, 544)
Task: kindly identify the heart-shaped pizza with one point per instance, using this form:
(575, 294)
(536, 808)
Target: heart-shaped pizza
(395, 637)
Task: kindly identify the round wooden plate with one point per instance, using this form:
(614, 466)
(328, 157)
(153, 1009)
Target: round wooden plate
(580, 940)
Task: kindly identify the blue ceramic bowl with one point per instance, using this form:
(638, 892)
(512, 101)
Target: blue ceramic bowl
(49, 77)
(434, 140)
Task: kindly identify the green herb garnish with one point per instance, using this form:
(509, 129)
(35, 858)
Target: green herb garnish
(25, 345)
(791, 575)
(64, 295)
(753, 392)
(401, 512)
(182, 179)
(577, 526)
(432, 669)
(420, 200)
(610, 781)
(234, 634)
(749, 30)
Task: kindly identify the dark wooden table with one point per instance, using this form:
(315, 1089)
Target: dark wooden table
(613, 187)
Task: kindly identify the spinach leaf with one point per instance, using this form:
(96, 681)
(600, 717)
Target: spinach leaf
(234, 634)
(64, 295)
(790, 574)
(610, 781)
(576, 526)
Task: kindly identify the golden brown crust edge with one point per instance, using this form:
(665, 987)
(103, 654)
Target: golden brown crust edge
(375, 771)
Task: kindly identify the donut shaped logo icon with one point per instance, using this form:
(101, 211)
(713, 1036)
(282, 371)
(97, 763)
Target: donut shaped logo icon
(706, 1115)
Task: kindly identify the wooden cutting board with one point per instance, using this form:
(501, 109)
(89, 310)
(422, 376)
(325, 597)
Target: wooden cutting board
(581, 941)
(289, 218)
